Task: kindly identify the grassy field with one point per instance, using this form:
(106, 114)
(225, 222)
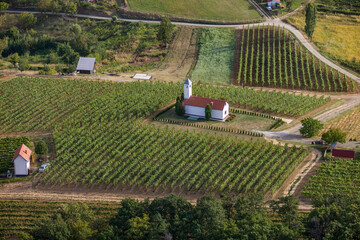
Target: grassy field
(335, 35)
(349, 123)
(216, 56)
(20, 215)
(230, 10)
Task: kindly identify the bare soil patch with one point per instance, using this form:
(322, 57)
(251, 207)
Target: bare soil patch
(182, 54)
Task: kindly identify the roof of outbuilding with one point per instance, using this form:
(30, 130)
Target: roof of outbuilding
(215, 104)
(86, 63)
(24, 152)
(343, 153)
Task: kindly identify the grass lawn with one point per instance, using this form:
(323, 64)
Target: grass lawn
(230, 10)
(336, 35)
(241, 121)
(216, 56)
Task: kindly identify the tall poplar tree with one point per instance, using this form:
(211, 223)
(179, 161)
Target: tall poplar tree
(311, 15)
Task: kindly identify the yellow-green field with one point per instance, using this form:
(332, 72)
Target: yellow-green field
(337, 35)
(230, 10)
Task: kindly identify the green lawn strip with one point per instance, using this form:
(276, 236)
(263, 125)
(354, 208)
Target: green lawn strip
(216, 56)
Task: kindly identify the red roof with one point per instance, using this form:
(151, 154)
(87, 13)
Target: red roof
(343, 153)
(215, 104)
(24, 152)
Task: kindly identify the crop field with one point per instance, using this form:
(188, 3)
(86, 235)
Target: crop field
(101, 140)
(229, 10)
(216, 56)
(126, 155)
(271, 57)
(8, 147)
(335, 177)
(349, 123)
(268, 101)
(40, 103)
(17, 216)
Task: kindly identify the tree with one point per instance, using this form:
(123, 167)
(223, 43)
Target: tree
(24, 64)
(14, 58)
(310, 20)
(210, 217)
(41, 148)
(70, 7)
(334, 135)
(165, 30)
(310, 127)
(208, 112)
(3, 6)
(27, 20)
(75, 29)
(3, 44)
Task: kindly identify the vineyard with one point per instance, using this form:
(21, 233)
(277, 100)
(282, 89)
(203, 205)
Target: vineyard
(17, 216)
(100, 139)
(127, 155)
(267, 101)
(335, 177)
(41, 103)
(271, 57)
(8, 147)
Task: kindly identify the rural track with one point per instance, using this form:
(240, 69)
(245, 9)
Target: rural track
(275, 22)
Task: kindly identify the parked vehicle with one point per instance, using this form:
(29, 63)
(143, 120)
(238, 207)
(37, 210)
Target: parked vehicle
(43, 167)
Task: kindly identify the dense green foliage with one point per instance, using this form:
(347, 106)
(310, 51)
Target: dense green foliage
(165, 30)
(41, 147)
(8, 147)
(216, 56)
(271, 57)
(117, 46)
(340, 6)
(310, 127)
(24, 215)
(334, 135)
(208, 112)
(335, 177)
(310, 19)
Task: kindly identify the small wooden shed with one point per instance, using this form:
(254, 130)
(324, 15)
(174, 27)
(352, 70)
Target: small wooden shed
(21, 160)
(85, 65)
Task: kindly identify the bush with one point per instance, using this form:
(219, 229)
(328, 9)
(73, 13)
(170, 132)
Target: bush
(41, 148)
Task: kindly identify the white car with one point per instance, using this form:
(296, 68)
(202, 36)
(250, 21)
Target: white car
(269, 8)
(43, 167)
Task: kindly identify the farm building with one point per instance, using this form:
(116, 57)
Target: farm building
(21, 160)
(195, 106)
(85, 65)
(343, 153)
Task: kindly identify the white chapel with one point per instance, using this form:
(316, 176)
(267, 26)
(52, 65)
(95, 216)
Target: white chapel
(195, 106)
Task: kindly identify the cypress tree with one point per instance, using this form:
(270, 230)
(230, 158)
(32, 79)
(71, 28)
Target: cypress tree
(208, 112)
(310, 19)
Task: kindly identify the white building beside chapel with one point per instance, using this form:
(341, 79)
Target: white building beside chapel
(195, 106)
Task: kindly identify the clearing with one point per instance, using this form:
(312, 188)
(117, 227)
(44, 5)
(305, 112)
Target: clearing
(228, 10)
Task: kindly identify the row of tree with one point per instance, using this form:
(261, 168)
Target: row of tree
(173, 217)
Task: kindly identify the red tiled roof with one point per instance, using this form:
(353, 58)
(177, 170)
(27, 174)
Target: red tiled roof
(343, 153)
(215, 104)
(23, 151)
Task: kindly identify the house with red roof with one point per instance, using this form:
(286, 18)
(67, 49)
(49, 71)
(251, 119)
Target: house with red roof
(21, 160)
(195, 106)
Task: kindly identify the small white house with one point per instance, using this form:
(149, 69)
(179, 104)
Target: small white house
(21, 160)
(195, 106)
